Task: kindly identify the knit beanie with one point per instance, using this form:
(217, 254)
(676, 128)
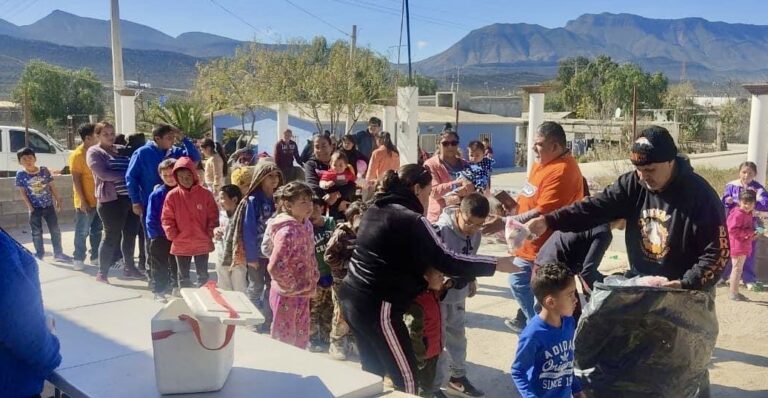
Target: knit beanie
(655, 145)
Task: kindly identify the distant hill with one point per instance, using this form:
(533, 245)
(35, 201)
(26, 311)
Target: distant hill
(67, 29)
(700, 49)
(161, 68)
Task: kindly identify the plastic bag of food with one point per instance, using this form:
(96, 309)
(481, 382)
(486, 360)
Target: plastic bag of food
(515, 234)
(639, 341)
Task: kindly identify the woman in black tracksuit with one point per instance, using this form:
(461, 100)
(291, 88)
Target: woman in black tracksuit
(395, 245)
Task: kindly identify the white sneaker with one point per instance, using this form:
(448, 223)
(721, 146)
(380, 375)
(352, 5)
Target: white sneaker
(78, 265)
(95, 262)
(160, 298)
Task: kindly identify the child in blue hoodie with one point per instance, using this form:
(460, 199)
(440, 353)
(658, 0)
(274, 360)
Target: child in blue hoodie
(29, 352)
(162, 263)
(242, 241)
(543, 366)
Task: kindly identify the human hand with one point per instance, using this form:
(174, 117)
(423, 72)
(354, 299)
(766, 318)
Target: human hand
(50, 323)
(467, 187)
(472, 289)
(673, 284)
(537, 226)
(580, 395)
(504, 264)
(253, 264)
(58, 206)
(218, 233)
(728, 200)
(84, 207)
(326, 184)
(138, 209)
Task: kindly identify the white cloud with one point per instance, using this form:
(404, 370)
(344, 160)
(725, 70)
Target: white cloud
(421, 44)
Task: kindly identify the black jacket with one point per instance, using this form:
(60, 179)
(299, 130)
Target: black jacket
(582, 251)
(396, 244)
(679, 233)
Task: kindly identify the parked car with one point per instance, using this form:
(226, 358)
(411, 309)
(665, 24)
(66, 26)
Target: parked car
(49, 152)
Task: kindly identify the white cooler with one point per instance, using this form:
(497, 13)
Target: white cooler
(192, 339)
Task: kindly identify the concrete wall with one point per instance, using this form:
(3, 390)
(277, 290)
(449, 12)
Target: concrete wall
(13, 211)
(502, 139)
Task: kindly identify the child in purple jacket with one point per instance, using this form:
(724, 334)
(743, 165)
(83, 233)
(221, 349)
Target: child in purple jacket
(746, 181)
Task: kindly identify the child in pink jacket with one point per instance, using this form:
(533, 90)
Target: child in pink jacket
(189, 217)
(292, 264)
(741, 233)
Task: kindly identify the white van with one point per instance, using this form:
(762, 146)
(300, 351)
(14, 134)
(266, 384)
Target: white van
(49, 153)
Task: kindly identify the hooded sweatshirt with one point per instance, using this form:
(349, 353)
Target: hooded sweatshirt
(679, 232)
(29, 352)
(292, 263)
(396, 244)
(459, 243)
(189, 215)
(154, 224)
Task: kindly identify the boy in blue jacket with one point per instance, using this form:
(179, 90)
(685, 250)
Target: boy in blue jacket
(29, 352)
(543, 366)
(142, 176)
(162, 264)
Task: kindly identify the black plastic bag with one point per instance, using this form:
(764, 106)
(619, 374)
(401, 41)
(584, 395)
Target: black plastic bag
(635, 341)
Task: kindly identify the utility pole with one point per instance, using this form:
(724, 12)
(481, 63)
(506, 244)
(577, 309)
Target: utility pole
(408, 30)
(352, 48)
(25, 105)
(213, 132)
(118, 81)
(634, 112)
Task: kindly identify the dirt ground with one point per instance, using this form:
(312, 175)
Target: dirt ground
(739, 365)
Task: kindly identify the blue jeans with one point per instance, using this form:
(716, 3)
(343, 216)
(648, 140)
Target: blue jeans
(36, 225)
(87, 225)
(520, 284)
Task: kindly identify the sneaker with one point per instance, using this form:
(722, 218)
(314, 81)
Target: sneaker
(95, 262)
(516, 325)
(78, 265)
(119, 264)
(721, 283)
(461, 387)
(176, 292)
(62, 257)
(737, 297)
(750, 286)
(160, 298)
(318, 347)
(337, 352)
(132, 274)
(101, 278)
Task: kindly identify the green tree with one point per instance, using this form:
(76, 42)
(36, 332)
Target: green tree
(54, 92)
(595, 88)
(426, 85)
(734, 121)
(321, 79)
(679, 98)
(187, 116)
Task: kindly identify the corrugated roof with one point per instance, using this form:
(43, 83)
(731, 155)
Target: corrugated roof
(8, 104)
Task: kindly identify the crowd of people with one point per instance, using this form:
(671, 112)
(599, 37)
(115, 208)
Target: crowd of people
(358, 254)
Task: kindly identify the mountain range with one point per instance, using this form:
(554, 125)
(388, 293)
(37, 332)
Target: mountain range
(504, 54)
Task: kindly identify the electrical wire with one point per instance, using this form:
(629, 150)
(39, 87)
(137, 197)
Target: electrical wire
(256, 30)
(316, 17)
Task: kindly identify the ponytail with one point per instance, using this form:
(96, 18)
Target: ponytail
(384, 136)
(220, 151)
(404, 178)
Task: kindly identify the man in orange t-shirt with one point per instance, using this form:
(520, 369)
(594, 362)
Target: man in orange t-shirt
(555, 181)
(87, 221)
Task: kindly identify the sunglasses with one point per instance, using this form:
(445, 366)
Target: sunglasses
(450, 143)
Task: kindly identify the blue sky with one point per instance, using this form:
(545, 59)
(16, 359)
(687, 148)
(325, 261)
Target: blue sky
(435, 25)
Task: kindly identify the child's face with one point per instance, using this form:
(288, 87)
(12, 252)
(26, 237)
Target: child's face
(748, 206)
(469, 225)
(271, 181)
(227, 203)
(746, 175)
(339, 166)
(185, 178)
(300, 208)
(348, 144)
(564, 302)
(107, 136)
(434, 279)
(28, 161)
(476, 155)
(317, 210)
(167, 176)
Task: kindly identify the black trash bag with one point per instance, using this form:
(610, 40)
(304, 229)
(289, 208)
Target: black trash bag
(636, 341)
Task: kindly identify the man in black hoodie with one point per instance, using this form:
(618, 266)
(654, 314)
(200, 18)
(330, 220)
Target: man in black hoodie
(675, 221)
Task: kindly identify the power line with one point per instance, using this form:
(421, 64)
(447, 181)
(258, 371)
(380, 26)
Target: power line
(25, 7)
(316, 17)
(255, 29)
(396, 12)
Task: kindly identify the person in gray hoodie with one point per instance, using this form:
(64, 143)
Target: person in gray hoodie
(459, 227)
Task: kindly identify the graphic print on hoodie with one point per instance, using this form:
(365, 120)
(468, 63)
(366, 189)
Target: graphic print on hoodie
(189, 215)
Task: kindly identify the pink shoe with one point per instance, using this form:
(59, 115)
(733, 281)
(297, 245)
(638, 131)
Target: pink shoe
(101, 278)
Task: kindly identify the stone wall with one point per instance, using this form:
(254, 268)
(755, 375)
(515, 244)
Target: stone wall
(13, 211)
